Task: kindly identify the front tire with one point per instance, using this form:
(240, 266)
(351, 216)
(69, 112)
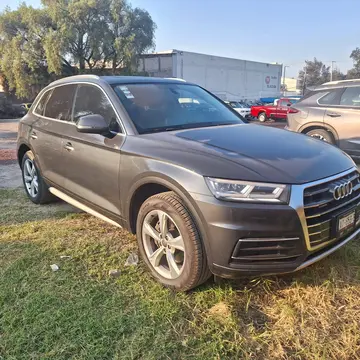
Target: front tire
(262, 117)
(322, 135)
(35, 186)
(170, 244)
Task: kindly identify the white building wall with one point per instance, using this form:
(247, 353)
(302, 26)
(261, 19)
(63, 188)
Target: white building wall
(230, 79)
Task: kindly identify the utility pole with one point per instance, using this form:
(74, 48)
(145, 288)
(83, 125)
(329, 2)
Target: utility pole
(285, 66)
(304, 82)
(332, 69)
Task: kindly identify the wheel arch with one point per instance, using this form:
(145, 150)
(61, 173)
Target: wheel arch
(154, 184)
(312, 126)
(23, 148)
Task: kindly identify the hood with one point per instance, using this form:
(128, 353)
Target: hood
(251, 152)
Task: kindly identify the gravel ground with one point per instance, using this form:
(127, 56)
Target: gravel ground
(10, 175)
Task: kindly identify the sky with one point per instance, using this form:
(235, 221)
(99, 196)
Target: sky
(283, 31)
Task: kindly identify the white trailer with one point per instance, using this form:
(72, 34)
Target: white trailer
(230, 79)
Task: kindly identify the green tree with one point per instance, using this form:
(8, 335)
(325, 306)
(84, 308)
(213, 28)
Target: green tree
(64, 37)
(314, 73)
(354, 73)
(130, 32)
(23, 59)
(338, 75)
(92, 33)
(80, 30)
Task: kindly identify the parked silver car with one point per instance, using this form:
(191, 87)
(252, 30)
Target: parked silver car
(331, 112)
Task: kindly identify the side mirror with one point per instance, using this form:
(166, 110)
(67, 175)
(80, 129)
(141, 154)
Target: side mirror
(92, 124)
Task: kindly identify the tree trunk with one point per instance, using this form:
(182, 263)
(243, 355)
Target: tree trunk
(114, 64)
(81, 64)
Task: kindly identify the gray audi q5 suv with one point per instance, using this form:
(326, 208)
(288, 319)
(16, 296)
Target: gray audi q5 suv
(204, 192)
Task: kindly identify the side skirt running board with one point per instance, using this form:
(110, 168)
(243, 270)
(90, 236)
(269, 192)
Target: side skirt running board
(81, 206)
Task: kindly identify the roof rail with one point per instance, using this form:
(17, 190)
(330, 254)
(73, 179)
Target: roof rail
(75, 77)
(174, 78)
(340, 82)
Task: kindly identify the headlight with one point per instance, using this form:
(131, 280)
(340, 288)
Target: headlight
(233, 190)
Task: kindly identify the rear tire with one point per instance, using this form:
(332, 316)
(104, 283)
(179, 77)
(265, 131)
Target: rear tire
(323, 135)
(35, 186)
(174, 252)
(262, 117)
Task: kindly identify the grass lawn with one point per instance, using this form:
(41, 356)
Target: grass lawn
(80, 312)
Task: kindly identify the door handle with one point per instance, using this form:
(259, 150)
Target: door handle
(68, 147)
(332, 114)
(33, 135)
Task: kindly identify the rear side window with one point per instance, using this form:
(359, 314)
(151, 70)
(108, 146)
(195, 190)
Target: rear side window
(331, 98)
(59, 105)
(351, 97)
(40, 107)
(92, 100)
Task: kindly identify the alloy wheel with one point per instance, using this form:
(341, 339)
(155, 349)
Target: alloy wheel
(163, 244)
(31, 178)
(319, 136)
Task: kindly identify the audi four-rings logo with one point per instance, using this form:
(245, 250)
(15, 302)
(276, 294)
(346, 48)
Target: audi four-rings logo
(343, 190)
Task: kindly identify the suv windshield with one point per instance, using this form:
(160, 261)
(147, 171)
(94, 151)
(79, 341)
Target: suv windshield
(165, 106)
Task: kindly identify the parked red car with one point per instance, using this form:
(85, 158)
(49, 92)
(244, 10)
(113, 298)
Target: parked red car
(278, 110)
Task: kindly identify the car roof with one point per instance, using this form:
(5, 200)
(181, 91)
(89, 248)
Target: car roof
(338, 84)
(118, 79)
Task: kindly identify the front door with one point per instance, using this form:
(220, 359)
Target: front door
(92, 160)
(344, 117)
(53, 115)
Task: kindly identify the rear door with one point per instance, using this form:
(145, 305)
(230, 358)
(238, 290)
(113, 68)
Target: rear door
(53, 113)
(344, 117)
(92, 160)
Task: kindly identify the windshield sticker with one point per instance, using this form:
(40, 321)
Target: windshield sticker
(126, 92)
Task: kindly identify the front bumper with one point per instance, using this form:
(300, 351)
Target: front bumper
(257, 239)
(231, 272)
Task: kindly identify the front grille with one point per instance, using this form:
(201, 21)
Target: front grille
(268, 250)
(322, 210)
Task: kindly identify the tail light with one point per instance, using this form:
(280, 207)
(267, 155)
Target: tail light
(293, 110)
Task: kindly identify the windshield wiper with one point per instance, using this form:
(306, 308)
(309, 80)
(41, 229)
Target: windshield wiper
(161, 129)
(187, 126)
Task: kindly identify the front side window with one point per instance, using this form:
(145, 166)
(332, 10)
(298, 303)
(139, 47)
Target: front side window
(40, 107)
(91, 100)
(351, 97)
(59, 105)
(160, 107)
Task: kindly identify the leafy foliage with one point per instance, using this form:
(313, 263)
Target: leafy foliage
(313, 73)
(354, 73)
(22, 34)
(65, 37)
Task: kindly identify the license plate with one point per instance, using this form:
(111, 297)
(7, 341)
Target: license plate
(346, 222)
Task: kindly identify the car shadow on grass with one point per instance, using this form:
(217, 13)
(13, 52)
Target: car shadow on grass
(16, 208)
